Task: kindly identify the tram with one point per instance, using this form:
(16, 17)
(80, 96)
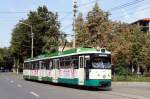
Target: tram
(81, 66)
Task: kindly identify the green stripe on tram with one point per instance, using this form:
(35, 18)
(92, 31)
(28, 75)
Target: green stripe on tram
(47, 79)
(34, 77)
(97, 82)
(68, 81)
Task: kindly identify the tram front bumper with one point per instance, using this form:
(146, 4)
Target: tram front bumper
(98, 82)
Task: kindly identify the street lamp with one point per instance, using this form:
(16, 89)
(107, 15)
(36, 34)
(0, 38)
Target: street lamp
(32, 36)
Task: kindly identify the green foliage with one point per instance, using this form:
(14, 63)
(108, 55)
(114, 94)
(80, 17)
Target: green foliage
(93, 31)
(133, 78)
(121, 67)
(45, 26)
(128, 44)
(6, 59)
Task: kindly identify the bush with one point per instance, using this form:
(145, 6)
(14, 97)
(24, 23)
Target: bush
(133, 78)
(147, 75)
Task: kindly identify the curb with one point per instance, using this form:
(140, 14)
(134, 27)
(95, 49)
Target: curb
(131, 83)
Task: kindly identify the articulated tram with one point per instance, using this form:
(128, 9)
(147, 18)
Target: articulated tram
(82, 66)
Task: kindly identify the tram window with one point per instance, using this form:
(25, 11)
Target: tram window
(36, 65)
(81, 62)
(26, 66)
(53, 64)
(50, 64)
(58, 64)
(76, 64)
(67, 64)
(87, 62)
(46, 64)
(30, 66)
(41, 65)
(61, 63)
(33, 66)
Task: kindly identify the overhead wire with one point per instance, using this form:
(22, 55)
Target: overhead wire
(143, 9)
(125, 5)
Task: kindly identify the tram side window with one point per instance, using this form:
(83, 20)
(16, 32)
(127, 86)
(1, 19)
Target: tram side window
(27, 66)
(61, 63)
(43, 66)
(50, 64)
(33, 65)
(30, 66)
(69, 62)
(65, 63)
(81, 62)
(36, 65)
(76, 62)
(47, 64)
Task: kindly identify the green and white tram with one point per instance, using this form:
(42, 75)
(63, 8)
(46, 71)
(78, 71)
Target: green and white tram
(81, 66)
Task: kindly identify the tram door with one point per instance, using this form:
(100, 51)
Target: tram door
(81, 70)
(56, 70)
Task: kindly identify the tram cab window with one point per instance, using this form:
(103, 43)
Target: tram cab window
(101, 63)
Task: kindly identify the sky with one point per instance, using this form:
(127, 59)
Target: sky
(11, 11)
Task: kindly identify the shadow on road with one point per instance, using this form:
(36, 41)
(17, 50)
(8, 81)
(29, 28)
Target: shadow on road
(74, 86)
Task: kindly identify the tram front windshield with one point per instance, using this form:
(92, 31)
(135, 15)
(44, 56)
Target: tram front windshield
(99, 63)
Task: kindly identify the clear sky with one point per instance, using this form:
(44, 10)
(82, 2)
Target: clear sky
(11, 11)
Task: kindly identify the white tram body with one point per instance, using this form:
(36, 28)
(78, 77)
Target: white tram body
(81, 66)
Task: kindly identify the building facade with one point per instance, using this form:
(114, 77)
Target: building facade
(144, 24)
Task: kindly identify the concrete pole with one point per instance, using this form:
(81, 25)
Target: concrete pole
(32, 37)
(74, 18)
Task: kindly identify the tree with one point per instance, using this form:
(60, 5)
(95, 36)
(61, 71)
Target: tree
(129, 46)
(45, 26)
(6, 61)
(95, 30)
(81, 31)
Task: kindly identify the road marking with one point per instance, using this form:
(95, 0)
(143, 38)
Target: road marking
(33, 93)
(11, 81)
(19, 86)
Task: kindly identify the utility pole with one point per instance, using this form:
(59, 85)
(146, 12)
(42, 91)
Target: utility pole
(74, 18)
(32, 37)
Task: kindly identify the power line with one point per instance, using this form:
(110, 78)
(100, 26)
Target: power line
(67, 15)
(8, 12)
(146, 8)
(126, 5)
(91, 2)
(81, 5)
(66, 26)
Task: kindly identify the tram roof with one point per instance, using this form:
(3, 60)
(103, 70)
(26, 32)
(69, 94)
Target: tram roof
(70, 52)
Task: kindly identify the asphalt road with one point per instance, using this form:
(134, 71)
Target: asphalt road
(13, 86)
